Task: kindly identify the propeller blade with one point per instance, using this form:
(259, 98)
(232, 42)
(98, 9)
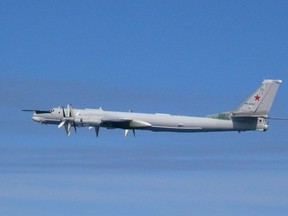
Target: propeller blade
(126, 132)
(63, 112)
(69, 110)
(75, 128)
(68, 128)
(61, 124)
(97, 131)
(68, 120)
(134, 133)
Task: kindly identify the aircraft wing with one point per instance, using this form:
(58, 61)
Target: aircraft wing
(124, 123)
(116, 123)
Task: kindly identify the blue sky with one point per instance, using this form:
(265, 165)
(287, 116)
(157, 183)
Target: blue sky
(179, 57)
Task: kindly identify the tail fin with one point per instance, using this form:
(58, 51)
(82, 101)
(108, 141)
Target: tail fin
(259, 103)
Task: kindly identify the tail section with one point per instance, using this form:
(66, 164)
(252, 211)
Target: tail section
(260, 102)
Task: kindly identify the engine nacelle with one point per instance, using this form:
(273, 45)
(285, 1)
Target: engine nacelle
(84, 121)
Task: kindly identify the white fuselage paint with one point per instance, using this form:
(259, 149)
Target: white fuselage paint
(251, 114)
(152, 122)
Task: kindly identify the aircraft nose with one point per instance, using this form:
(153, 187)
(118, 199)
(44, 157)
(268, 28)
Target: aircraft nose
(36, 118)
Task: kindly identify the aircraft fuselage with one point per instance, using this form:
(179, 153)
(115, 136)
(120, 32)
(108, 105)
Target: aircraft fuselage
(251, 114)
(153, 122)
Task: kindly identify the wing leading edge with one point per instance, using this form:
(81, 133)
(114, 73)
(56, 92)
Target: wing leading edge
(124, 123)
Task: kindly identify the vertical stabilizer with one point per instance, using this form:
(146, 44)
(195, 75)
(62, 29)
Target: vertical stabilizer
(259, 103)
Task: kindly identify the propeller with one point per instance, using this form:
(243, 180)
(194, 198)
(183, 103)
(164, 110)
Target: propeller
(68, 120)
(97, 129)
(127, 131)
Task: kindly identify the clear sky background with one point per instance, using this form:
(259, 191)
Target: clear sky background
(179, 57)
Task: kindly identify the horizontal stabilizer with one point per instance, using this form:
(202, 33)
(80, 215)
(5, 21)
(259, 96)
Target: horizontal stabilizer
(38, 111)
(278, 118)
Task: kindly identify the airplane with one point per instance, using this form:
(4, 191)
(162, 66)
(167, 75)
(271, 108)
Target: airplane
(250, 115)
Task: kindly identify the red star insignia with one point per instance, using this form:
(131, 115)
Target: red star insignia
(257, 97)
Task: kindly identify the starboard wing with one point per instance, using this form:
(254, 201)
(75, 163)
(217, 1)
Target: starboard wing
(124, 123)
